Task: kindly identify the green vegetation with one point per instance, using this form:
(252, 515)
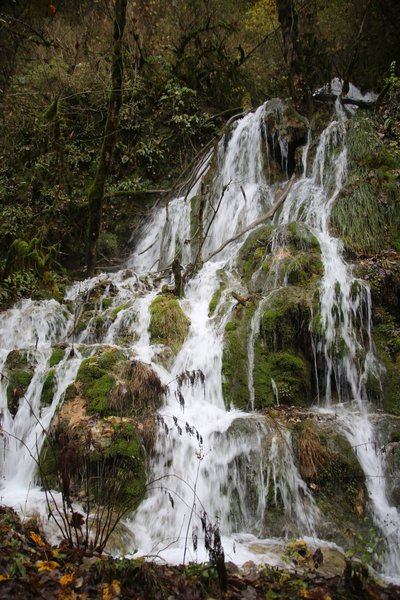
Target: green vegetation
(291, 373)
(48, 388)
(18, 383)
(56, 356)
(168, 324)
(367, 213)
(95, 380)
(235, 363)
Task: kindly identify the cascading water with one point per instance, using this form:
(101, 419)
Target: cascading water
(236, 467)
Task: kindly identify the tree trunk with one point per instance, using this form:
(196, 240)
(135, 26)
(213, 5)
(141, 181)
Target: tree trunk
(288, 21)
(96, 191)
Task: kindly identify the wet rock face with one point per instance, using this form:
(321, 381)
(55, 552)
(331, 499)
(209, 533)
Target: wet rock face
(330, 469)
(284, 133)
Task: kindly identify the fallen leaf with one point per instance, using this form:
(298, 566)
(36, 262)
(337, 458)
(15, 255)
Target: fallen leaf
(67, 579)
(46, 565)
(36, 538)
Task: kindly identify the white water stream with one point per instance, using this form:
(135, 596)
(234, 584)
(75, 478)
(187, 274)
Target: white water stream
(239, 462)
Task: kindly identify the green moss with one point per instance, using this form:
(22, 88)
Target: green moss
(56, 356)
(302, 238)
(168, 323)
(17, 386)
(291, 373)
(285, 323)
(47, 465)
(235, 358)
(48, 388)
(106, 303)
(16, 360)
(214, 301)
(327, 460)
(109, 358)
(115, 312)
(120, 461)
(96, 379)
(254, 251)
(124, 467)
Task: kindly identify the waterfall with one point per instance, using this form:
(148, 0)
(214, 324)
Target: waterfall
(239, 466)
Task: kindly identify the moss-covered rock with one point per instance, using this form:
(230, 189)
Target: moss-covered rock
(283, 350)
(168, 323)
(139, 391)
(297, 257)
(235, 364)
(104, 456)
(48, 389)
(254, 254)
(18, 370)
(18, 383)
(288, 281)
(96, 379)
(106, 462)
(57, 355)
(288, 371)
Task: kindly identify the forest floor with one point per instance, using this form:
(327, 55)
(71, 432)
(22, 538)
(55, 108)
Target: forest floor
(32, 568)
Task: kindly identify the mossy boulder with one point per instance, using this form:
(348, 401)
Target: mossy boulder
(296, 257)
(283, 349)
(139, 391)
(168, 323)
(287, 282)
(104, 463)
(96, 379)
(57, 355)
(104, 458)
(18, 383)
(386, 390)
(48, 388)
(19, 373)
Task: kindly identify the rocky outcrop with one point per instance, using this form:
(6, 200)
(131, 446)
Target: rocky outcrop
(97, 446)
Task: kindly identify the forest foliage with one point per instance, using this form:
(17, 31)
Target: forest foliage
(188, 66)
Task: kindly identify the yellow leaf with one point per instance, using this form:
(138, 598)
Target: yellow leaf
(110, 591)
(46, 565)
(4, 577)
(36, 538)
(67, 579)
(116, 587)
